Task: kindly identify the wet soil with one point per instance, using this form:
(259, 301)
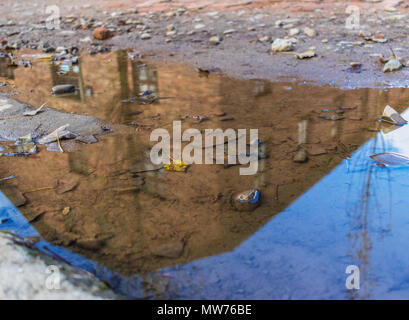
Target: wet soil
(246, 28)
(135, 222)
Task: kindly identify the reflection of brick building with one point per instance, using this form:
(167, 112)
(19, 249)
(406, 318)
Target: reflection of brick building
(5, 71)
(133, 213)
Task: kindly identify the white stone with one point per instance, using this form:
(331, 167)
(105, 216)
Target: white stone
(392, 65)
(280, 45)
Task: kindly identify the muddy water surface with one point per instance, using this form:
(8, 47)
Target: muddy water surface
(178, 231)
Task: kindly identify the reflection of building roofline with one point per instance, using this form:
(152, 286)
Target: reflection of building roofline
(273, 108)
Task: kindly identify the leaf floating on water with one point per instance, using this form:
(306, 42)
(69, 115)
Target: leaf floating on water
(46, 58)
(391, 159)
(66, 211)
(393, 116)
(177, 165)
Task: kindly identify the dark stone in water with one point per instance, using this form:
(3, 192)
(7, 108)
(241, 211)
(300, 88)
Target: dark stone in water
(86, 139)
(90, 243)
(63, 88)
(171, 250)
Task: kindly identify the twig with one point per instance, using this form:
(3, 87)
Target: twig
(59, 144)
(38, 189)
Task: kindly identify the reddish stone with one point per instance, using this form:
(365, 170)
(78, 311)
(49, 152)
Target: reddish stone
(101, 33)
(379, 36)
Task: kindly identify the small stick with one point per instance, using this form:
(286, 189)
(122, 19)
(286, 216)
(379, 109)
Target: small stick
(38, 189)
(59, 144)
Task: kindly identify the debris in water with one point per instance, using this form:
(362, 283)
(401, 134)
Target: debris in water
(65, 186)
(66, 211)
(247, 200)
(301, 156)
(22, 150)
(176, 165)
(86, 139)
(59, 144)
(60, 133)
(63, 89)
(7, 178)
(38, 189)
(333, 117)
(90, 243)
(199, 118)
(391, 115)
(169, 250)
(24, 140)
(316, 150)
(34, 112)
(46, 58)
(25, 63)
(391, 159)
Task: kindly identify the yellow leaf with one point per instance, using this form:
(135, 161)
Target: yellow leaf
(66, 211)
(49, 58)
(177, 165)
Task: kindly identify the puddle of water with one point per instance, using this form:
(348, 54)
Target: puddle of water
(178, 231)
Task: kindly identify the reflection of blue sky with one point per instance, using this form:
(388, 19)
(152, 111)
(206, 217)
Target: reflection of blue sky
(358, 214)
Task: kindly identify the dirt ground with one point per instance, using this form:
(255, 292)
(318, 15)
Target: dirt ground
(246, 29)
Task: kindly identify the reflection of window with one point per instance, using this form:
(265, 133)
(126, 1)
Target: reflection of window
(261, 88)
(66, 77)
(142, 74)
(144, 79)
(88, 91)
(5, 71)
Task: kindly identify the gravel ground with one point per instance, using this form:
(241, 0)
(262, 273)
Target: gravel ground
(181, 30)
(14, 125)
